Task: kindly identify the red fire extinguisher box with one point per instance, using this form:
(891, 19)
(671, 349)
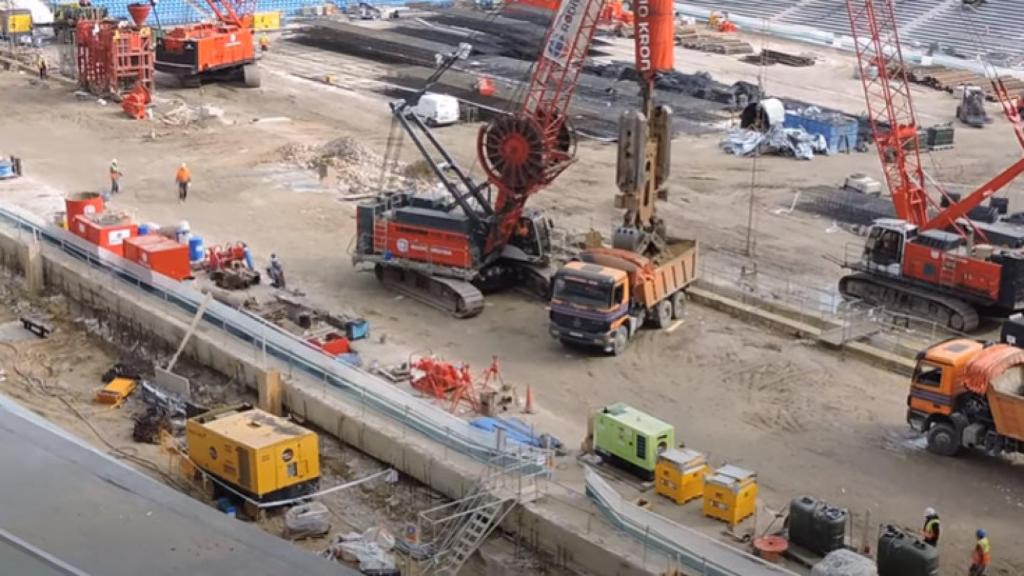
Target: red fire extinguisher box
(105, 230)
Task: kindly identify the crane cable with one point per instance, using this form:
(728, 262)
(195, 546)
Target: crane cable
(396, 136)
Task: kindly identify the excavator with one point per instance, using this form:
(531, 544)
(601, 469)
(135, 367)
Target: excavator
(931, 261)
(447, 252)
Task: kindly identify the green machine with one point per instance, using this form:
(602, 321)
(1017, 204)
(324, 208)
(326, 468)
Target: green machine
(628, 437)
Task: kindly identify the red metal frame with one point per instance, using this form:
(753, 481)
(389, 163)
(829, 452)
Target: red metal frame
(113, 58)
(1010, 108)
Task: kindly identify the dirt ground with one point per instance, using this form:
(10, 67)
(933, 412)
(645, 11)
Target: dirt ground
(808, 421)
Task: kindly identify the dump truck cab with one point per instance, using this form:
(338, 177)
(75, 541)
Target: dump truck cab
(968, 394)
(938, 380)
(589, 303)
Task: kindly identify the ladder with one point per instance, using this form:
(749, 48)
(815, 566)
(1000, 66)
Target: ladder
(460, 527)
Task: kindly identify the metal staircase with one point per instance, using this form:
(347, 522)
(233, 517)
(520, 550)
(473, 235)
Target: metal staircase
(460, 527)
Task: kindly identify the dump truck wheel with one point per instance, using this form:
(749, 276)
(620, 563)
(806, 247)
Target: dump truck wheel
(942, 440)
(620, 340)
(662, 314)
(678, 304)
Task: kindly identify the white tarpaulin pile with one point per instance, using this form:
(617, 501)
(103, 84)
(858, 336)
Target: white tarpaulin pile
(844, 563)
(795, 142)
(370, 550)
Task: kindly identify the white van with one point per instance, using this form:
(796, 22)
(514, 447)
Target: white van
(437, 109)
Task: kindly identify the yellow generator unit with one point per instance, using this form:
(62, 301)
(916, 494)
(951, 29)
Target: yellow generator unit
(264, 456)
(679, 475)
(15, 23)
(265, 21)
(730, 494)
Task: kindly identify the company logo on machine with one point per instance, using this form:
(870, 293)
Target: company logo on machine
(643, 37)
(402, 245)
(568, 22)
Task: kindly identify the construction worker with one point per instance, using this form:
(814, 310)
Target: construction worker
(982, 555)
(264, 42)
(115, 177)
(184, 179)
(931, 526)
(276, 272)
(41, 64)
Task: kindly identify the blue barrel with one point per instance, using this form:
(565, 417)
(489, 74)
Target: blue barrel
(143, 229)
(248, 258)
(6, 169)
(195, 248)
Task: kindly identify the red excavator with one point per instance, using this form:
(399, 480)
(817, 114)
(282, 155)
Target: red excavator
(219, 48)
(481, 237)
(937, 266)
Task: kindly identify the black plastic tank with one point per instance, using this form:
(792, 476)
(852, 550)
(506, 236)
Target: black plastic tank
(801, 510)
(816, 526)
(904, 554)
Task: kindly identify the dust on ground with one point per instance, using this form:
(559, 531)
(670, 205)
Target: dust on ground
(806, 420)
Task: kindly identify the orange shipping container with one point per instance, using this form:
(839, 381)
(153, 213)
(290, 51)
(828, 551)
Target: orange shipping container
(166, 257)
(132, 245)
(105, 230)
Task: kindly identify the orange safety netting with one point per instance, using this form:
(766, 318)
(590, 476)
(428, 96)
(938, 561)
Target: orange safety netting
(989, 364)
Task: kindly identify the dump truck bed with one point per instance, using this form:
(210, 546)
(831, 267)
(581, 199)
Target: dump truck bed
(675, 269)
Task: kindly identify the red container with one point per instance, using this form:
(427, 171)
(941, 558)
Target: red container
(105, 230)
(333, 345)
(132, 246)
(82, 203)
(165, 257)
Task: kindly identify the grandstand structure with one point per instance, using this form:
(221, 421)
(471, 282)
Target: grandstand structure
(995, 29)
(171, 12)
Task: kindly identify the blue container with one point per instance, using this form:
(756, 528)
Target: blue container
(6, 169)
(248, 258)
(357, 329)
(143, 229)
(195, 248)
(840, 132)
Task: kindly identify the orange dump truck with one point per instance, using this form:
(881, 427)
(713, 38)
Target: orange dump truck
(968, 394)
(605, 296)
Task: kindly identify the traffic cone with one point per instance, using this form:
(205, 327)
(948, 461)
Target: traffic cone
(529, 400)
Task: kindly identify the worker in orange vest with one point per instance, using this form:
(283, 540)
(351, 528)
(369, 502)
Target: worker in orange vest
(183, 178)
(982, 555)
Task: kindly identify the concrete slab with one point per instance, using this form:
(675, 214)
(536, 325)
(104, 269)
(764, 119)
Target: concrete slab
(85, 509)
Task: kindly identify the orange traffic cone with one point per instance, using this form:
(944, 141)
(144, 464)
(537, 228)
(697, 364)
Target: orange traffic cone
(529, 400)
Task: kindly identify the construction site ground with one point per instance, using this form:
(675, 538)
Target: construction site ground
(808, 421)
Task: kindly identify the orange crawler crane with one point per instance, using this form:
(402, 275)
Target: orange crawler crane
(221, 48)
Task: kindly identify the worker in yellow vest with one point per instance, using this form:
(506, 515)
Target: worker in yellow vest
(931, 526)
(982, 555)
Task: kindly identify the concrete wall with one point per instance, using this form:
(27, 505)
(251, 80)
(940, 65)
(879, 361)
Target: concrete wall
(130, 314)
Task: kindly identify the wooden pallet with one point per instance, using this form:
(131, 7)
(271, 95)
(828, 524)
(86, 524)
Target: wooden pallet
(694, 39)
(949, 79)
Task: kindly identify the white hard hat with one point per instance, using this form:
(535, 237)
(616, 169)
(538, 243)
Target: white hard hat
(929, 511)
(114, 161)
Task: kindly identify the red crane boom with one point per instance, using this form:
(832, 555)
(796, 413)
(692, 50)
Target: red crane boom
(525, 151)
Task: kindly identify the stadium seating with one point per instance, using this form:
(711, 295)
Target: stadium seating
(994, 27)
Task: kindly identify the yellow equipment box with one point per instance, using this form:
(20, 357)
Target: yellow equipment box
(266, 456)
(15, 22)
(266, 21)
(116, 392)
(730, 494)
(679, 475)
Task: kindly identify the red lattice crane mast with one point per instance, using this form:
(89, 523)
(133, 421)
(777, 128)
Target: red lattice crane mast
(924, 264)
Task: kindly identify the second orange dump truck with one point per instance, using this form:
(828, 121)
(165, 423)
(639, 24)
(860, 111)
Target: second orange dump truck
(969, 394)
(604, 297)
